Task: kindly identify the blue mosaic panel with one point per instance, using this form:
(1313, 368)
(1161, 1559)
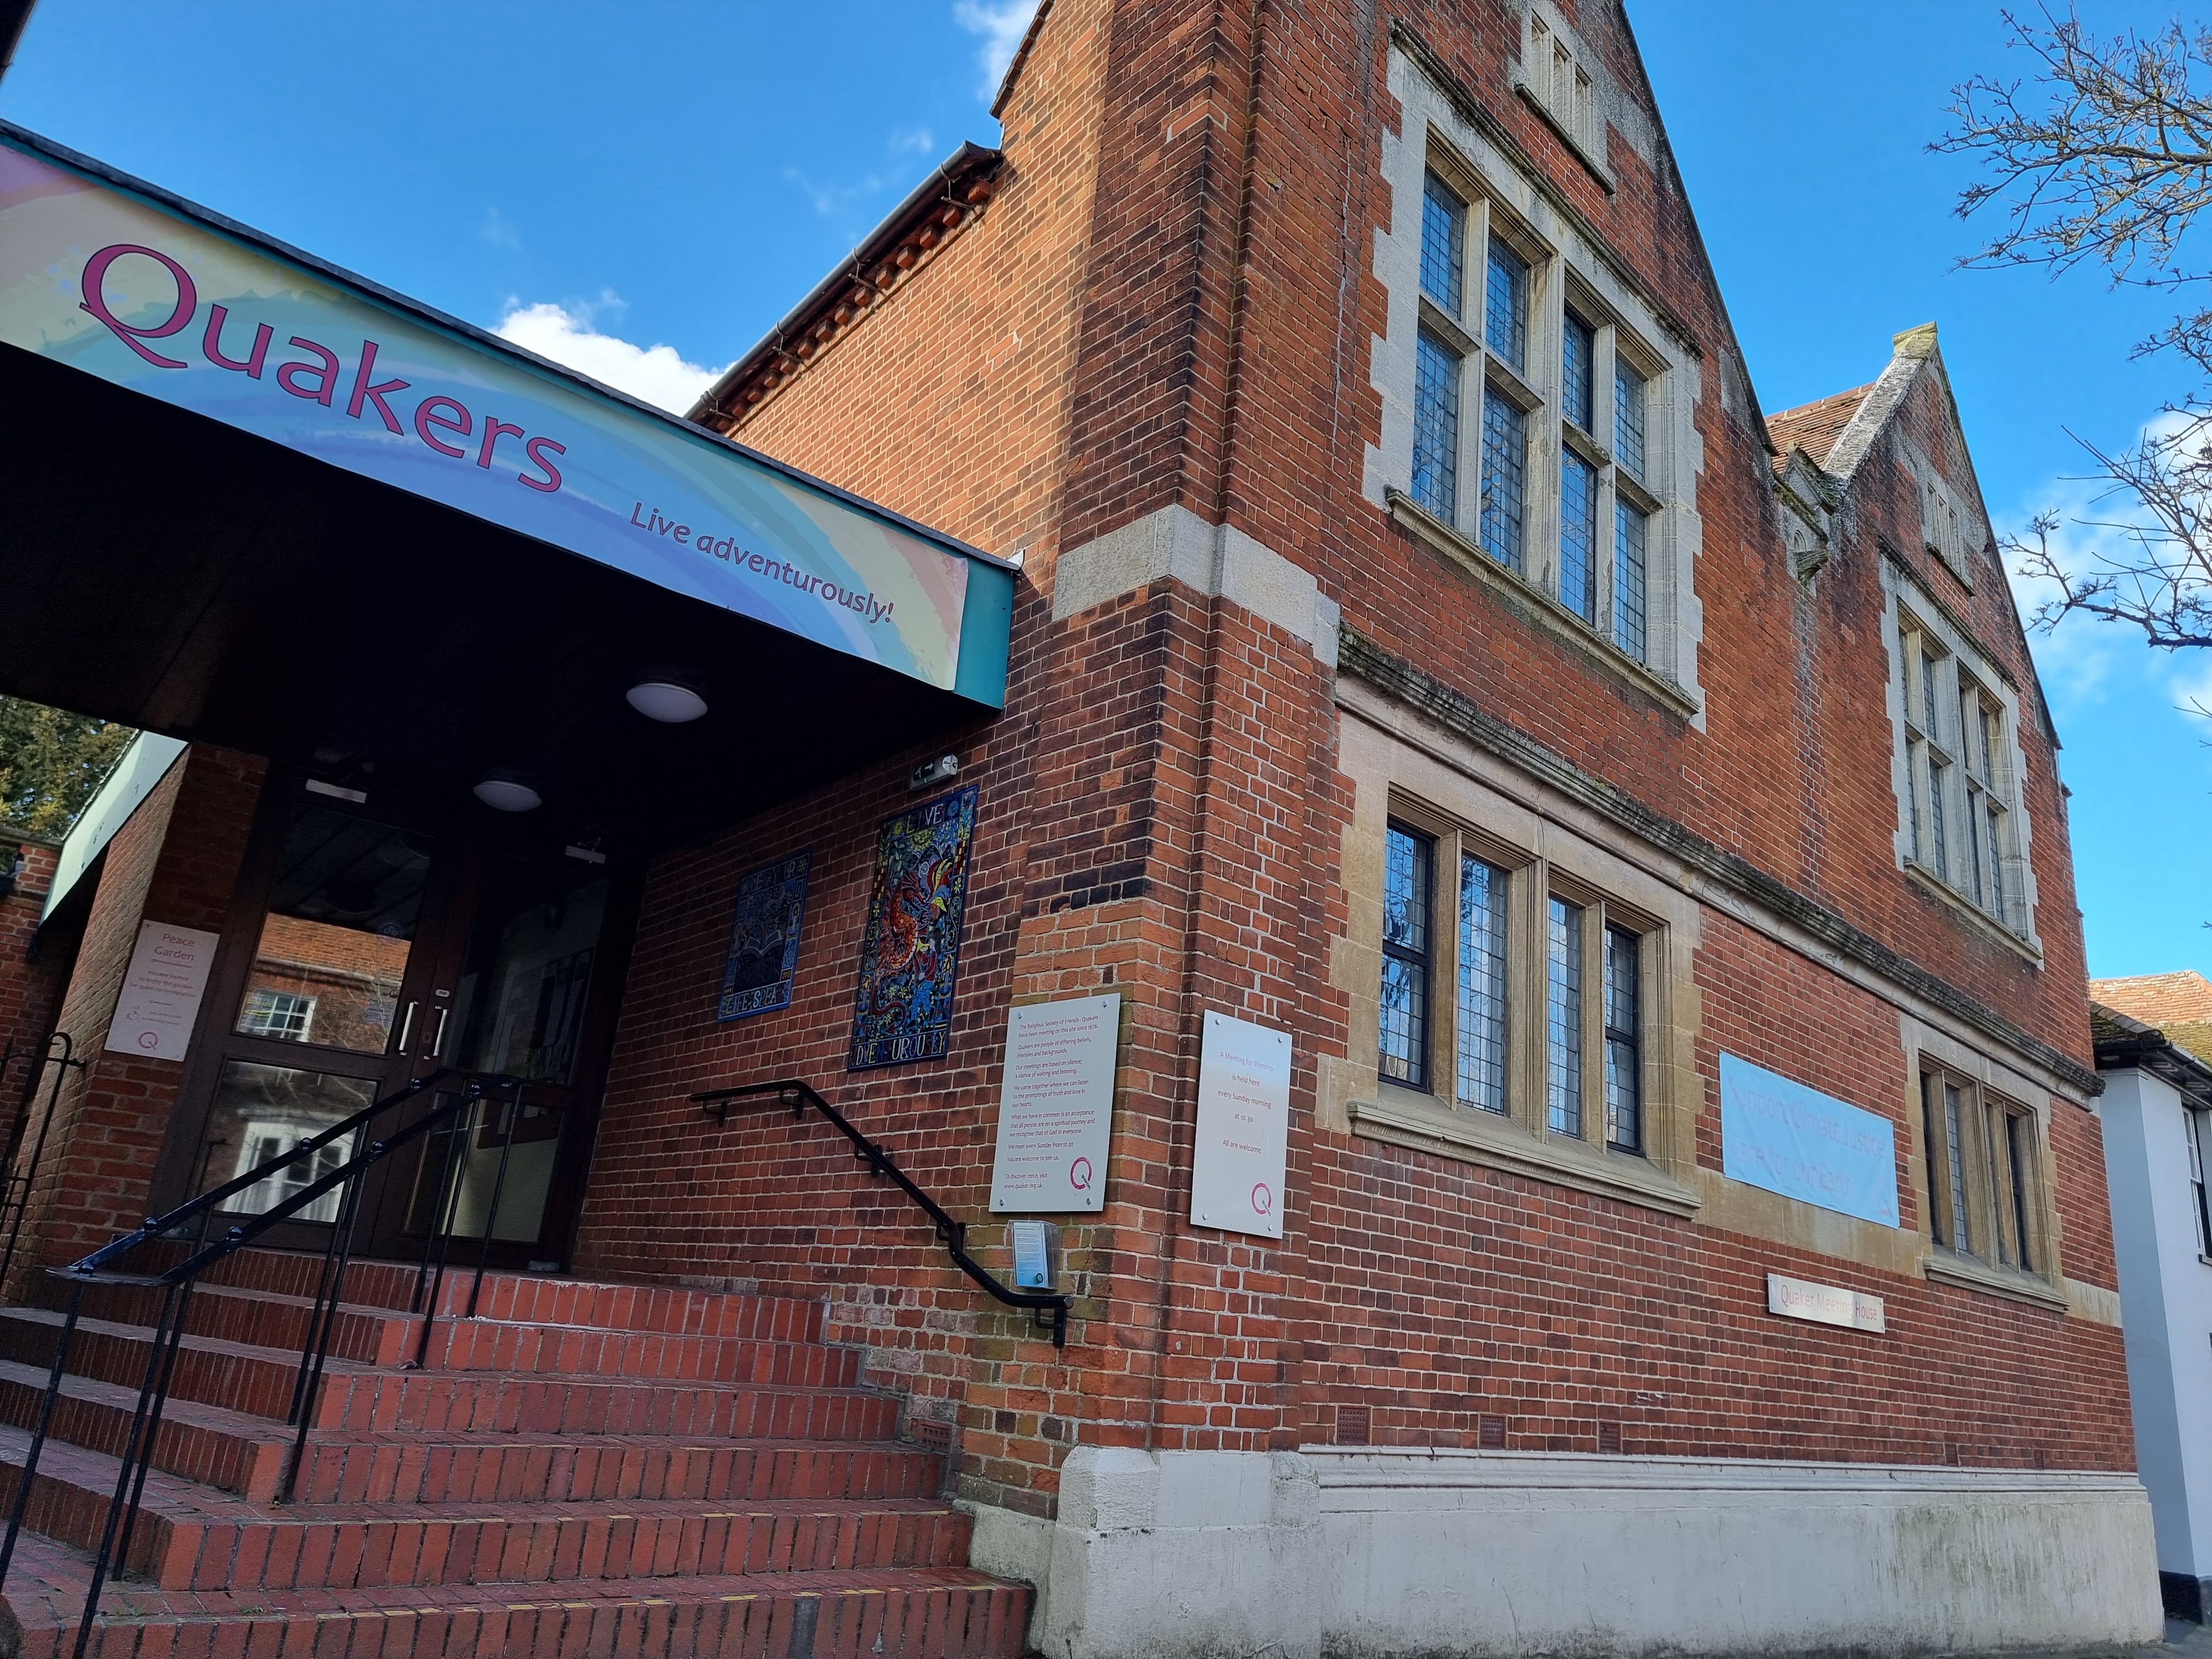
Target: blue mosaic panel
(909, 957)
(763, 958)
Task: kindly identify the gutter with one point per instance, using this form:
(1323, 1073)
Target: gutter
(940, 188)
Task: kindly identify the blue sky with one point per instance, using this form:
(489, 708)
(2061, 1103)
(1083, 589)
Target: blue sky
(645, 201)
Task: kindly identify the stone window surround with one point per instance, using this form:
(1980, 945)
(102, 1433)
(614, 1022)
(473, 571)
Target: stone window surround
(1908, 607)
(1582, 126)
(1929, 1050)
(1542, 859)
(1392, 753)
(1434, 136)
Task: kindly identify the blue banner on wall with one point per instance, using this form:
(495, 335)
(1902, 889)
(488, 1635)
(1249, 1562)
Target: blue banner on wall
(1787, 1138)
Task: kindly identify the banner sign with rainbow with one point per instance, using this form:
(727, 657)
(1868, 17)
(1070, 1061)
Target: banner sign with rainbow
(108, 276)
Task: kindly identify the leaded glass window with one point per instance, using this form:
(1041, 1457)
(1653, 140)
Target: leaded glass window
(1630, 530)
(1435, 427)
(1505, 480)
(1505, 306)
(1624, 1098)
(1562, 1021)
(1405, 968)
(1578, 368)
(1481, 985)
(1444, 244)
(1578, 535)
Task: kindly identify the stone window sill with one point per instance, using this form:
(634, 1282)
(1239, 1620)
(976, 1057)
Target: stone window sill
(1548, 613)
(1404, 1119)
(1972, 1275)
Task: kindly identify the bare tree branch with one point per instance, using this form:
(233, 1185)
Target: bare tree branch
(2104, 155)
(2155, 571)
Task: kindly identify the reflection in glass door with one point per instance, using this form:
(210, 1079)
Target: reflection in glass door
(345, 901)
(520, 1007)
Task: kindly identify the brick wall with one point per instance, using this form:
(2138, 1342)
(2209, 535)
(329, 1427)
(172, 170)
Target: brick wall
(175, 859)
(1170, 303)
(31, 973)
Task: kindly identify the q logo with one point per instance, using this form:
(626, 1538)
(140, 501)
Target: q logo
(1078, 1175)
(149, 1039)
(1262, 1200)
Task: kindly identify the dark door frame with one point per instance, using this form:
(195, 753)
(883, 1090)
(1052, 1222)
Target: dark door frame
(466, 839)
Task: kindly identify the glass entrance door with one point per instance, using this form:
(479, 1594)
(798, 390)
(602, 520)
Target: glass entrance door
(386, 945)
(328, 1014)
(529, 1005)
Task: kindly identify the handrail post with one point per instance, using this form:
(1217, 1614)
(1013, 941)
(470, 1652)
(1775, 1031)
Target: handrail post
(38, 1432)
(440, 1238)
(307, 1389)
(498, 1187)
(20, 1184)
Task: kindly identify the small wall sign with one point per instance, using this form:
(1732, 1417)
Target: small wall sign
(1056, 1105)
(1824, 1304)
(1033, 1247)
(1242, 1150)
(162, 990)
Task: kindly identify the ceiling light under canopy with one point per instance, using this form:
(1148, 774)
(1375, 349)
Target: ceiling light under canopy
(665, 700)
(507, 795)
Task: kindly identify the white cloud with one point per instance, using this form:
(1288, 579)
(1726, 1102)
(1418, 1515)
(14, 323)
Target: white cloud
(659, 375)
(832, 199)
(1002, 23)
(2083, 660)
(499, 230)
(917, 139)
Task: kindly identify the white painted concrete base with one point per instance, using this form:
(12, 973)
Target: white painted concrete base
(1359, 1554)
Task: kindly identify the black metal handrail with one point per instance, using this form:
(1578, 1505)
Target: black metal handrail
(1048, 1308)
(191, 1220)
(58, 1050)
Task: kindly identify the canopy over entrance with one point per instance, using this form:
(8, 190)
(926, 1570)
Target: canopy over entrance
(254, 501)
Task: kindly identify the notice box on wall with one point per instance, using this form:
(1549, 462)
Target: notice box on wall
(1794, 1140)
(1056, 1105)
(162, 990)
(1241, 1148)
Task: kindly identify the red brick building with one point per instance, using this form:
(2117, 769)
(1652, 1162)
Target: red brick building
(1640, 814)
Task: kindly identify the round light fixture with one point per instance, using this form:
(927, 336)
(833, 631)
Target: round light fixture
(506, 795)
(667, 701)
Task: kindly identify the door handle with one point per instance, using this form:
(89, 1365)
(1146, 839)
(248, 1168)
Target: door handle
(438, 1036)
(406, 1030)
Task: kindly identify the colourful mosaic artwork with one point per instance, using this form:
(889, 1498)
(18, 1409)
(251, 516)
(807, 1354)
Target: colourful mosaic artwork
(764, 939)
(905, 1007)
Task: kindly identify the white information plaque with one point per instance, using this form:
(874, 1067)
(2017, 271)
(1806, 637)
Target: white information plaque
(1056, 1106)
(1824, 1304)
(1243, 1144)
(162, 990)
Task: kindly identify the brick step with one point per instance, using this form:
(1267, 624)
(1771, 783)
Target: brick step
(188, 1537)
(449, 1468)
(226, 1449)
(245, 1456)
(259, 1382)
(434, 1401)
(526, 1297)
(895, 1613)
(378, 1336)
